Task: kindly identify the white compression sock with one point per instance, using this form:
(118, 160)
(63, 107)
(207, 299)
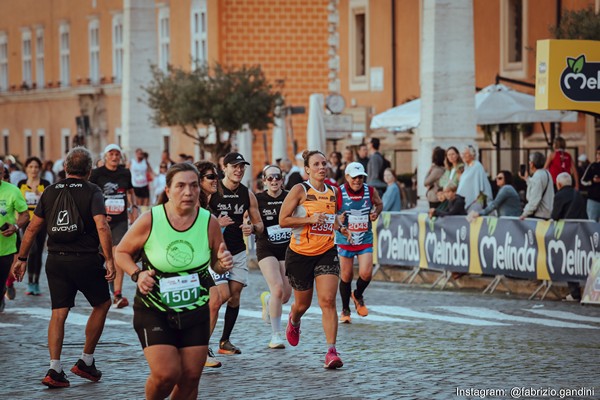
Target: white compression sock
(56, 365)
(88, 359)
(276, 324)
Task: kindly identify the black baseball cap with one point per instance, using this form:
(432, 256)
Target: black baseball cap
(234, 159)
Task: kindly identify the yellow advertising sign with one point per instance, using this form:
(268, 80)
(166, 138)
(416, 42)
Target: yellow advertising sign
(568, 75)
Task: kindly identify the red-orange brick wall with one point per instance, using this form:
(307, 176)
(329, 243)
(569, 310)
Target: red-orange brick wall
(288, 38)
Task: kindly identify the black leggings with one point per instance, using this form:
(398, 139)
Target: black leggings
(34, 261)
(5, 264)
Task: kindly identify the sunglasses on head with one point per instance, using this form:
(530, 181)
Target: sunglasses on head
(274, 177)
(210, 177)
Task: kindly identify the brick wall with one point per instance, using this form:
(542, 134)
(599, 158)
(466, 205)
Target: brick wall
(288, 38)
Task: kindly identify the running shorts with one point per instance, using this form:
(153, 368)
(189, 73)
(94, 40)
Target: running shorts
(152, 328)
(301, 270)
(71, 272)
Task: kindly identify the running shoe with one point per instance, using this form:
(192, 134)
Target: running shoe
(55, 379)
(120, 302)
(226, 347)
(36, 289)
(333, 360)
(361, 309)
(211, 361)
(276, 342)
(571, 298)
(292, 333)
(345, 317)
(30, 290)
(264, 300)
(11, 293)
(87, 371)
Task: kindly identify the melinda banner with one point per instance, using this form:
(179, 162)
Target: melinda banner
(531, 249)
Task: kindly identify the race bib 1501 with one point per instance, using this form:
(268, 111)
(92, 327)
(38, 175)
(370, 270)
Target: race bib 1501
(180, 291)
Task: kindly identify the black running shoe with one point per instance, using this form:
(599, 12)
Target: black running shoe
(226, 347)
(85, 371)
(55, 379)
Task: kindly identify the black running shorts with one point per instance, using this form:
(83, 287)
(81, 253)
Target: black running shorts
(71, 272)
(142, 192)
(153, 328)
(301, 270)
(265, 249)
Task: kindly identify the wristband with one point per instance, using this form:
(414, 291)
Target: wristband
(135, 275)
(24, 259)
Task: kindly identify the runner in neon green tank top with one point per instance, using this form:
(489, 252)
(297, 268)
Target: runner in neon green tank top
(178, 241)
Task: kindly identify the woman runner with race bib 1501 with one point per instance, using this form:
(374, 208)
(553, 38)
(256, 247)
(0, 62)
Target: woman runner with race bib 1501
(178, 240)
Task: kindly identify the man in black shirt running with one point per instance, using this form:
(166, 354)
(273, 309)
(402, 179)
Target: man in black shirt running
(231, 205)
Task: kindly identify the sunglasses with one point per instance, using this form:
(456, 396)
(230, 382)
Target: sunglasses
(163, 166)
(210, 177)
(499, 178)
(274, 177)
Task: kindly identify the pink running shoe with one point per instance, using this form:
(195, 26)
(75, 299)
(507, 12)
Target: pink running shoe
(292, 333)
(333, 360)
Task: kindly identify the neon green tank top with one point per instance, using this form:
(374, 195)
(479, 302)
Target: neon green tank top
(181, 260)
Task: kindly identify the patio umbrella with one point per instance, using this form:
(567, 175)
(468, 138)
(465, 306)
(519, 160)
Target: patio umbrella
(315, 130)
(279, 144)
(399, 119)
(494, 104)
(244, 146)
(499, 104)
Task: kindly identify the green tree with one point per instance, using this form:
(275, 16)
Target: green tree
(224, 98)
(578, 24)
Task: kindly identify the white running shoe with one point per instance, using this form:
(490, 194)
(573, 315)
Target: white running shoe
(211, 361)
(264, 300)
(276, 342)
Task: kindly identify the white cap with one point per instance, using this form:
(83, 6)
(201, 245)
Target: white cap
(111, 147)
(582, 158)
(355, 169)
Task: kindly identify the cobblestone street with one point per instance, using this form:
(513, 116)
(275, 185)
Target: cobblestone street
(415, 343)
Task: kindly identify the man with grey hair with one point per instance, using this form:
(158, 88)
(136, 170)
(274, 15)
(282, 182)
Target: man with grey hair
(569, 204)
(13, 216)
(73, 265)
(540, 189)
(474, 184)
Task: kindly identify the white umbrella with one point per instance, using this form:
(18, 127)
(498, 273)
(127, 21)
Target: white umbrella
(499, 104)
(244, 145)
(279, 145)
(315, 130)
(494, 104)
(402, 118)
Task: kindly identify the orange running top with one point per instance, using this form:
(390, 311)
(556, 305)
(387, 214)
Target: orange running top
(315, 239)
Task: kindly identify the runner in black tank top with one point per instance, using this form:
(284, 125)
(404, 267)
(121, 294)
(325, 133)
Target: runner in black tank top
(271, 246)
(237, 203)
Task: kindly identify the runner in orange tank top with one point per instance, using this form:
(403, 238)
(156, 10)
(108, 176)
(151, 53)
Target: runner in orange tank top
(310, 210)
